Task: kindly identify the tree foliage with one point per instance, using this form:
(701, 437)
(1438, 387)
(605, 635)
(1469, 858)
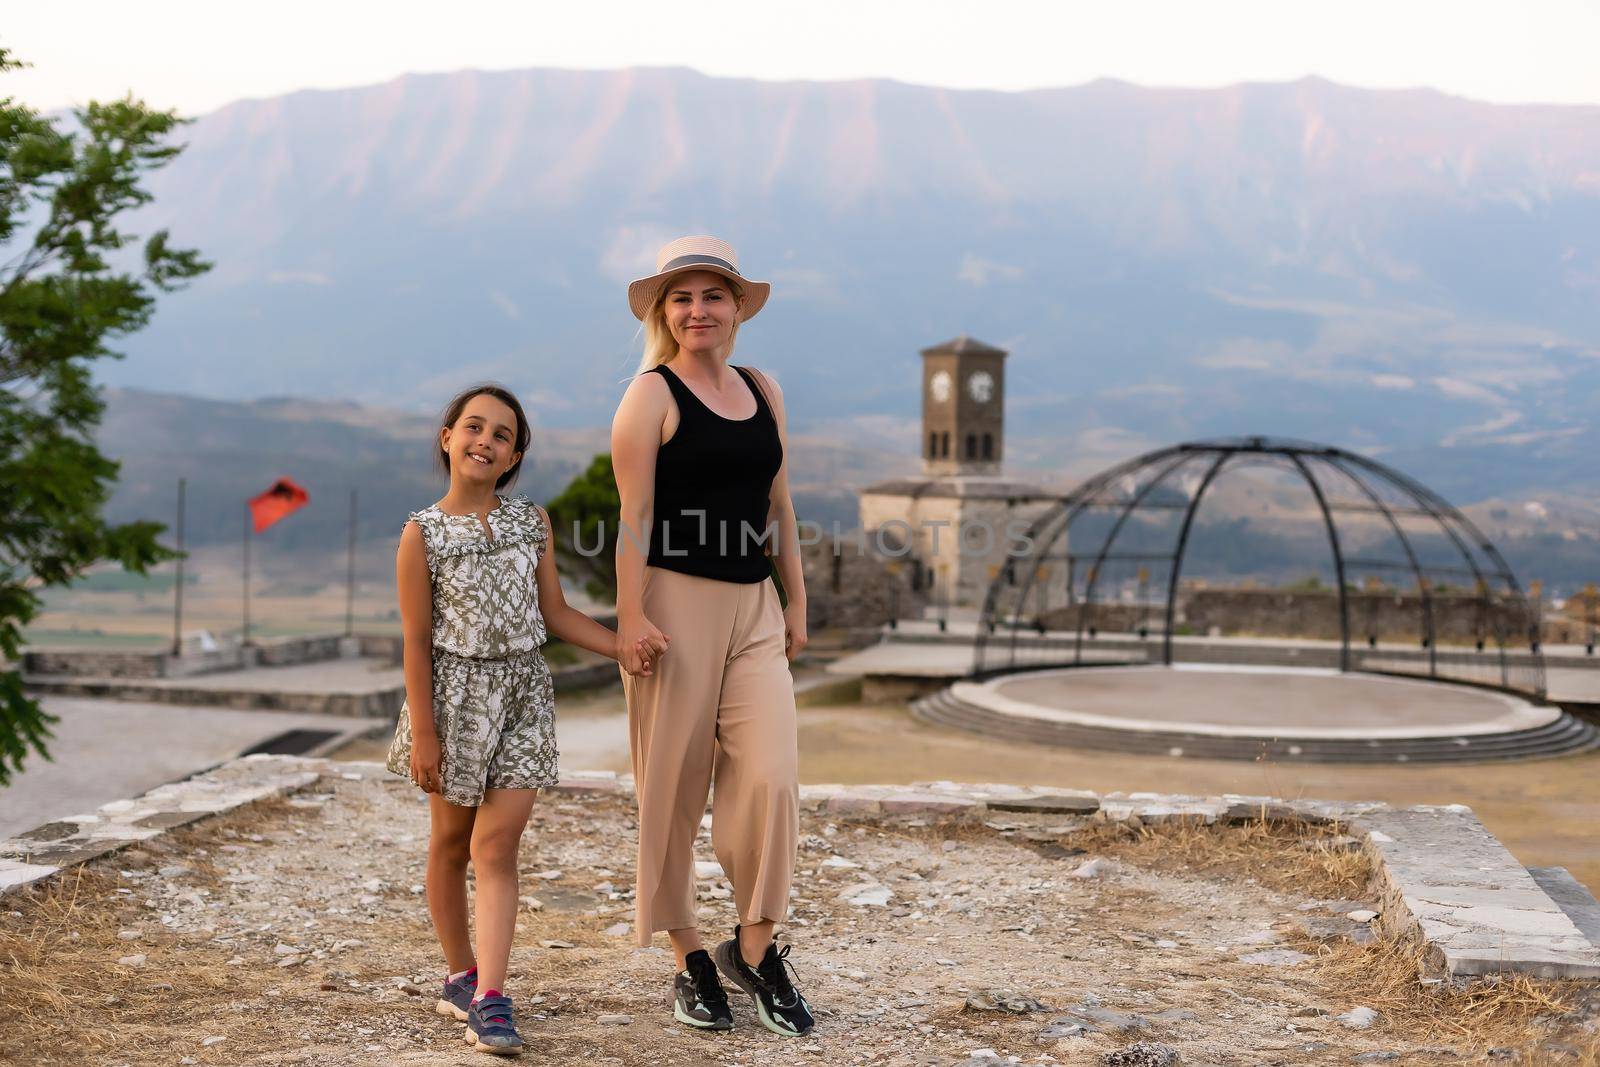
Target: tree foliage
(70, 283)
(585, 515)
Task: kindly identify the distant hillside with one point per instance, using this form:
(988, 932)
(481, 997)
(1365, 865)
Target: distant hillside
(1249, 528)
(230, 451)
(1397, 271)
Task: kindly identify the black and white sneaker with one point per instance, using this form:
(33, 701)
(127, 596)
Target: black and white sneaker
(779, 1004)
(698, 999)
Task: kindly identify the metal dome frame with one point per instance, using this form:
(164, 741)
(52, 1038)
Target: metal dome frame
(1009, 638)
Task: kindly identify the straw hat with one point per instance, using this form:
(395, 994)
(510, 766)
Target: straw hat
(696, 253)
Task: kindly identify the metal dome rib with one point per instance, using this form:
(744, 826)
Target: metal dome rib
(1013, 635)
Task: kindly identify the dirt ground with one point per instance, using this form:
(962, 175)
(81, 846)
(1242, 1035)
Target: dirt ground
(295, 932)
(1545, 811)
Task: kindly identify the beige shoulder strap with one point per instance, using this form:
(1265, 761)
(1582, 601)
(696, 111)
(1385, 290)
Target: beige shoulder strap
(761, 384)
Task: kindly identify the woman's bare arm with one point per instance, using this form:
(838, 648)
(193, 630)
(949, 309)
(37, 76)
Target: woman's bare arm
(635, 440)
(786, 548)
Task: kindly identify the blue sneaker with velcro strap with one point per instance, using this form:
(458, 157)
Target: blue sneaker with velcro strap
(489, 1026)
(457, 996)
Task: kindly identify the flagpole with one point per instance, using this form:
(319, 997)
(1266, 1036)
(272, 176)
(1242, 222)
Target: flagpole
(246, 640)
(177, 596)
(350, 578)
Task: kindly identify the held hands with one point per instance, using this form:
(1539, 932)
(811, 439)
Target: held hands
(639, 645)
(425, 763)
(794, 625)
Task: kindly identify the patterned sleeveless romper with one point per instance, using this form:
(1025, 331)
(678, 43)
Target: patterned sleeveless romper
(493, 701)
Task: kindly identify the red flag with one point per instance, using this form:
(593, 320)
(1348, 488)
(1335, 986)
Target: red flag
(282, 499)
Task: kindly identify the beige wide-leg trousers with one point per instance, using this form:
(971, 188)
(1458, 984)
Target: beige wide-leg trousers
(720, 706)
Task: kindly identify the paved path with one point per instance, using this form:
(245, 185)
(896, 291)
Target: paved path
(108, 749)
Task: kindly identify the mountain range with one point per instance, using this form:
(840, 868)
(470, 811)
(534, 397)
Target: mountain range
(1404, 273)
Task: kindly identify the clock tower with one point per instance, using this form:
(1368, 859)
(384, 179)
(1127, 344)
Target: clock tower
(963, 408)
(957, 521)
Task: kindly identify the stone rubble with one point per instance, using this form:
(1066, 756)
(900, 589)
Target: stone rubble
(319, 903)
(1501, 919)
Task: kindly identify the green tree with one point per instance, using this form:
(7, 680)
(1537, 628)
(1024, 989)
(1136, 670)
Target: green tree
(590, 508)
(61, 300)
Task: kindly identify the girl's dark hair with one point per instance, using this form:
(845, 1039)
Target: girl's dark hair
(452, 413)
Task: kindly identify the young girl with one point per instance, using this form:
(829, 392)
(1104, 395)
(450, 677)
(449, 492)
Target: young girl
(478, 594)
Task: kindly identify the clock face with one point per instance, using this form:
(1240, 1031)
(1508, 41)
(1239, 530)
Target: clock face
(981, 387)
(939, 386)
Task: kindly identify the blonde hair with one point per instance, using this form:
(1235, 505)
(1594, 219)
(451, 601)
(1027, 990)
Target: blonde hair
(659, 344)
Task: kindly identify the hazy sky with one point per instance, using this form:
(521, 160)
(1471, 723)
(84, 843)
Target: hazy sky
(196, 55)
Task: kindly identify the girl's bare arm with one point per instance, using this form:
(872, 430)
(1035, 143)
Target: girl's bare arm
(416, 627)
(561, 619)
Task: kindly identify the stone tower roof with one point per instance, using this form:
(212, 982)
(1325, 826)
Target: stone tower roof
(963, 345)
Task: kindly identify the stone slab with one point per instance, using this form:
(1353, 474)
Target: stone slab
(852, 804)
(1160, 807)
(14, 874)
(928, 804)
(1524, 959)
(109, 750)
(1447, 879)
(1572, 897)
(985, 791)
(25, 860)
(1057, 803)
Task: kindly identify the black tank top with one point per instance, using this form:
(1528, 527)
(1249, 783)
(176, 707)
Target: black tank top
(713, 481)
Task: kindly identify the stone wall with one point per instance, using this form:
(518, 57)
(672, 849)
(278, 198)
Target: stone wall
(104, 663)
(288, 651)
(1111, 618)
(1391, 616)
(382, 646)
(96, 663)
(961, 572)
(850, 583)
(1572, 627)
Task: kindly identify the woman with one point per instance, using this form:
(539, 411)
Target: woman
(699, 451)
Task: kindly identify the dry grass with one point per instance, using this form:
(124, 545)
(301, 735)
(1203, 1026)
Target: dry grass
(61, 986)
(1505, 1011)
(67, 998)
(1284, 855)
(830, 694)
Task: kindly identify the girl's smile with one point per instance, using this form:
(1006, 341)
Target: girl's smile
(481, 444)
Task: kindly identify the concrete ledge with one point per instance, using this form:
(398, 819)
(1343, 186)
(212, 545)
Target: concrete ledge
(63, 843)
(1447, 881)
(1571, 897)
